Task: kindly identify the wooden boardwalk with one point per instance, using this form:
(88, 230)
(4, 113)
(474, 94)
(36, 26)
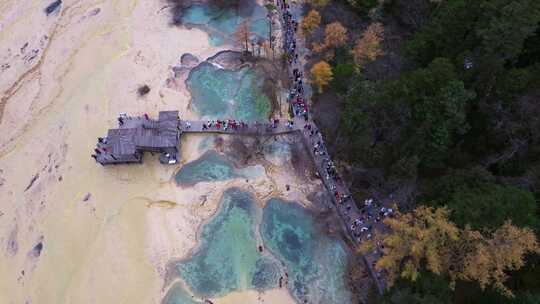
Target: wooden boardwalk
(252, 129)
(136, 135)
(363, 223)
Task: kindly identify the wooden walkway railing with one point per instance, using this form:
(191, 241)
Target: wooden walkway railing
(253, 128)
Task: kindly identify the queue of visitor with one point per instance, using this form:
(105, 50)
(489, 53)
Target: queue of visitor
(239, 125)
(225, 124)
(361, 222)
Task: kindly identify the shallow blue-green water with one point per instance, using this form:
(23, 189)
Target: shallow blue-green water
(228, 258)
(212, 166)
(209, 167)
(178, 295)
(316, 263)
(278, 152)
(228, 94)
(220, 24)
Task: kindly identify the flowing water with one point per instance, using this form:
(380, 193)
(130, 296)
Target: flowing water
(178, 295)
(219, 93)
(221, 23)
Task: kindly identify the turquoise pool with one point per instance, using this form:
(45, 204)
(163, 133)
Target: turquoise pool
(212, 166)
(228, 258)
(228, 94)
(178, 295)
(316, 262)
(221, 23)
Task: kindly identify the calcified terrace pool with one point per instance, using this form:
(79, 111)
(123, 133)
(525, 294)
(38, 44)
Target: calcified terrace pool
(227, 93)
(212, 166)
(249, 244)
(220, 24)
(219, 93)
(228, 258)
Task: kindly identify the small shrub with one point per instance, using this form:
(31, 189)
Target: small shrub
(143, 90)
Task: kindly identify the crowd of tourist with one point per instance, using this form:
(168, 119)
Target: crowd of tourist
(296, 95)
(361, 222)
(239, 126)
(225, 124)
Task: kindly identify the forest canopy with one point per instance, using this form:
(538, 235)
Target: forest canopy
(438, 106)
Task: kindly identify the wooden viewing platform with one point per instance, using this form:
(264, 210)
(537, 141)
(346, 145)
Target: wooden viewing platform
(136, 135)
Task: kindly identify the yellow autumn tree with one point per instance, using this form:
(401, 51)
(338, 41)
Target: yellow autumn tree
(319, 3)
(422, 235)
(242, 35)
(311, 22)
(493, 257)
(321, 74)
(427, 239)
(368, 47)
(335, 35)
(317, 47)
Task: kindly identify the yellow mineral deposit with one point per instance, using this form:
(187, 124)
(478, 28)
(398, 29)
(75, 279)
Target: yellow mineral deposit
(107, 233)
